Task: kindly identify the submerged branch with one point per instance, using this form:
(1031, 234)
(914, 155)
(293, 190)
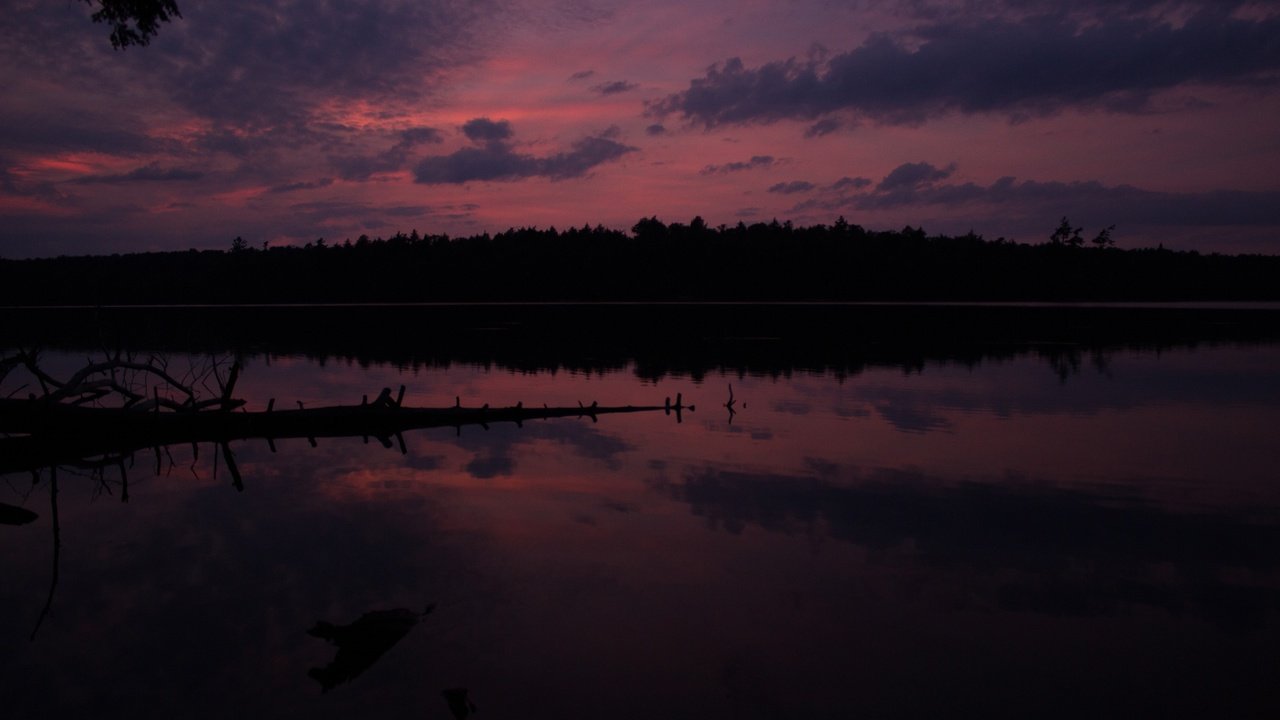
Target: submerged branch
(124, 380)
(60, 433)
(57, 551)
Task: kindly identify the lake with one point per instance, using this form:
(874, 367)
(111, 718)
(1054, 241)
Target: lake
(1029, 517)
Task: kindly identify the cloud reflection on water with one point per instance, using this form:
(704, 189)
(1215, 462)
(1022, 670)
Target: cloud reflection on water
(814, 556)
(1027, 545)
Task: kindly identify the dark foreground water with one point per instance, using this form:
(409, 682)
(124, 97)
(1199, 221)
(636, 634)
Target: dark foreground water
(1021, 534)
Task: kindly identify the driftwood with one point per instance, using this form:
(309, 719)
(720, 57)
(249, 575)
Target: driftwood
(133, 384)
(381, 418)
(54, 433)
(120, 405)
(107, 411)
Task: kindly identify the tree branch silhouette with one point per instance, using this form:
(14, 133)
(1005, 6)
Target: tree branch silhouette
(133, 22)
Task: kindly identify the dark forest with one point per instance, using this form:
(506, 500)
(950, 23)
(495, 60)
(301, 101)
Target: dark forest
(654, 262)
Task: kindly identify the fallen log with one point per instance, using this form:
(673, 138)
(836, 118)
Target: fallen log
(57, 433)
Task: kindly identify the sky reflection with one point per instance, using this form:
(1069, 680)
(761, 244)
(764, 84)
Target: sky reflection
(955, 539)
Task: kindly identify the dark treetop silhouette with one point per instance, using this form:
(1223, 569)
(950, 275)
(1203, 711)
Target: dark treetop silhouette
(133, 22)
(655, 262)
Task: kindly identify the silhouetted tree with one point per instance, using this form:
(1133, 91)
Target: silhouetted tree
(1066, 235)
(133, 22)
(1103, 238)
(649, 228)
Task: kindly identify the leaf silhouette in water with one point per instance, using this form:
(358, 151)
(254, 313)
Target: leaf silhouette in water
(14, 515)
(361, 643)
(459, 703)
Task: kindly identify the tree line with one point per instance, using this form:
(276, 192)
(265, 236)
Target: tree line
(655, 261)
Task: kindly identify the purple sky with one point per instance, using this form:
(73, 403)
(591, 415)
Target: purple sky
(283, 121)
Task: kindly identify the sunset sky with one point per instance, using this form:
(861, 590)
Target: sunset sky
(283, 121)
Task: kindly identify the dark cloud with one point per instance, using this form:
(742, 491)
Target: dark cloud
(615, 87)
(792, 187)
(655, 130)
(152, 172)
(14, 182)
(406, 210)
(756, 162)
(917, 185)
(70, 131)
(362, 168)
(415, 136)
(280, 61)
(268, 89)
(229, 141)
(470, 164)
(913, 175)
(584, 155)
(305, 185)
(484, 130)
(270, 86)
(825, 126)
(1019, 68)
(395, 158)
(581, 75)
(1086, 10)
(1125, 203)
(495, 159)
(852, 183)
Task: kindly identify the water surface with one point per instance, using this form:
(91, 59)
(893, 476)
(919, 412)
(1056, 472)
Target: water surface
(1024, 534)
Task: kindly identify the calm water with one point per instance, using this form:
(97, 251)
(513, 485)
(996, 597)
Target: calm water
(1012, 538)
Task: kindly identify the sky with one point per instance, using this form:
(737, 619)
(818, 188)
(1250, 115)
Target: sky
(285, 121)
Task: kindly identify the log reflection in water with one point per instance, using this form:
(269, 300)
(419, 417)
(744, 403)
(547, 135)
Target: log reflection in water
(69, 423)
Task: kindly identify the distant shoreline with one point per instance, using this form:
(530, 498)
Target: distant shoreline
(1262, 305)
(656, 263)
